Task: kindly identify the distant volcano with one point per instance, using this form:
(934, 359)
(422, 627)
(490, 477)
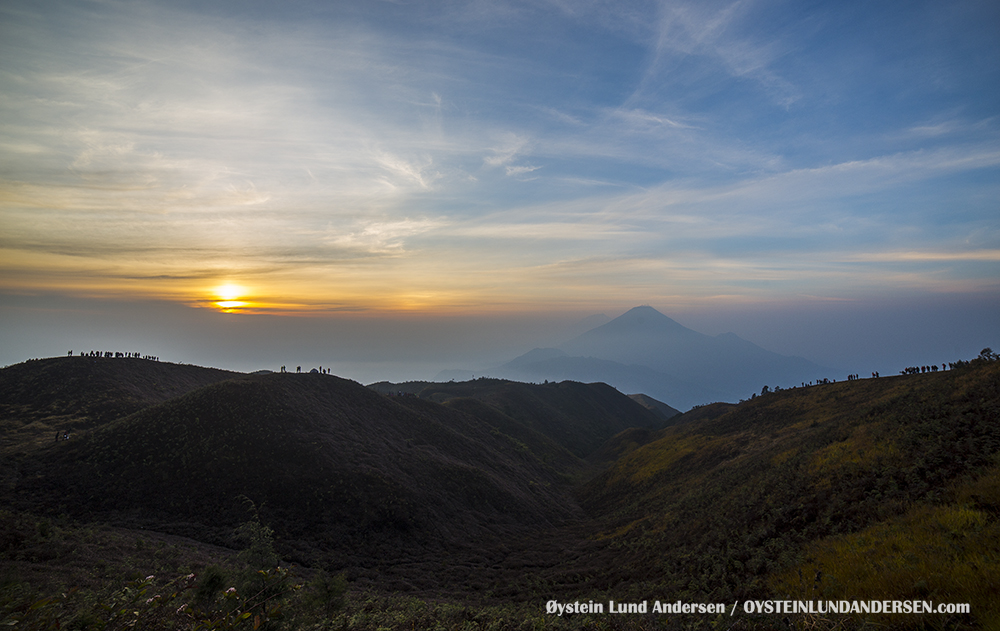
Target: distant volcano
(645, 351)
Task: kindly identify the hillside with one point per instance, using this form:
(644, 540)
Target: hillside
(738, 497)
(627, 377)
(579, 417)
(657, 407)
(72, 394)
(511, 494)
(342, 474)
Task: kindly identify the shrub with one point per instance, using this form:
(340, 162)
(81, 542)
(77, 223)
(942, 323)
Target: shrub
(326, 592)
(212, 581)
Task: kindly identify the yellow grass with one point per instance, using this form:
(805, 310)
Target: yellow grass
(939, 553)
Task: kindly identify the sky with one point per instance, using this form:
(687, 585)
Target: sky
(389, 188)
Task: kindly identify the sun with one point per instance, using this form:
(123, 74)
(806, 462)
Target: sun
(228, 297)
(228, 292)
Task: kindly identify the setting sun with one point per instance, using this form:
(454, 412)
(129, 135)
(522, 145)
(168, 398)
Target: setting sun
(229, 292)
(228, 297)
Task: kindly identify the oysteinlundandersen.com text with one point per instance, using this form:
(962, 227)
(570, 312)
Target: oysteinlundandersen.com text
(852, 606)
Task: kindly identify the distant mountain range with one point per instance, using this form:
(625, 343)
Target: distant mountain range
(644, 351)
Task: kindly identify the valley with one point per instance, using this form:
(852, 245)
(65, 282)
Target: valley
(494, 495)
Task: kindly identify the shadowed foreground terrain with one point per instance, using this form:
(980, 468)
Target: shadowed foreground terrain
(471, 505)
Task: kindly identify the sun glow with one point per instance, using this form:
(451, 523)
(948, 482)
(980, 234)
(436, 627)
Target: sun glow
(229, 298)
(229, 292)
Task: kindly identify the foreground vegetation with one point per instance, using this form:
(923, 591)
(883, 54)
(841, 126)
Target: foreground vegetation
(790, 481)
(947, 551)
(249, 589)
(862, 490)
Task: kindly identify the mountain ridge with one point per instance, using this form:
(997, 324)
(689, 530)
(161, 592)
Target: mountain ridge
(578, 416)
(328, 460)
(806, 464)
(465, 493)
(645, 351)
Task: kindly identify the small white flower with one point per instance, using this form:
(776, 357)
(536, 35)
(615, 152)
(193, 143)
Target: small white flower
(231, 590)
(182, 608)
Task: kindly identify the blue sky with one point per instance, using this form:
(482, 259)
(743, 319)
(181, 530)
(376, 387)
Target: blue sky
(422, 160)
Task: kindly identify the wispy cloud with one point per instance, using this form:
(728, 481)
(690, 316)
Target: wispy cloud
(521, 170)
(713, 31)
(385, 236)
(684, 148)
(644, 121)
(928, 256)
(506, 151)
(407, 172)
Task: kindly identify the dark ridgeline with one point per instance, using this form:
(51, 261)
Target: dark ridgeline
(343, 474)
(517, 492)
(87, 393)
(115, 354)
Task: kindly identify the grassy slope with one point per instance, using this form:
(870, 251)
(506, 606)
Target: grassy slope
(718, 505)
(344, 475)
(579, 417)
(72, 394)
(887, 486)
(624, 443)
(657, 407)
(54, 555)
(944, 551)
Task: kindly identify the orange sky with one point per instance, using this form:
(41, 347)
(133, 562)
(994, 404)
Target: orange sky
(510, 158)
